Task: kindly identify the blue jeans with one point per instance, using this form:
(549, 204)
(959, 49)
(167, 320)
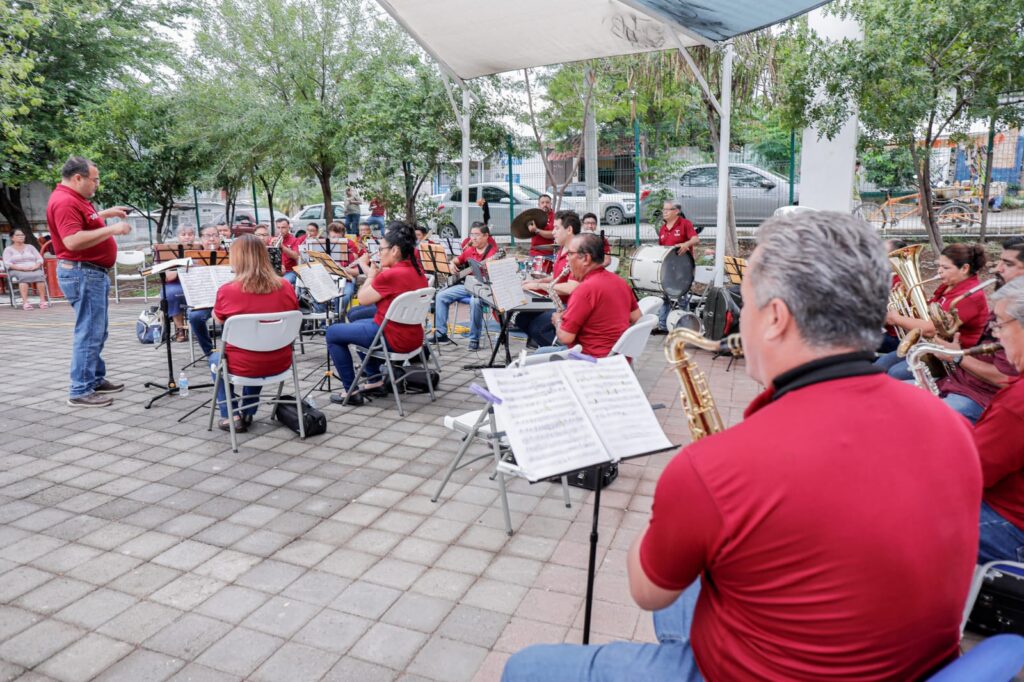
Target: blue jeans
(964, 405)
(999, 539)
(197, 320)
(895, 366)
(352, 223)
(291, 277)
(444, 300)
(537, 326)
(888, 344)
(362, 312)
(250, 394)
(670, 659)
(339, 336)
(175, 298)
(663, 311)
(86, 289)
(377, 220)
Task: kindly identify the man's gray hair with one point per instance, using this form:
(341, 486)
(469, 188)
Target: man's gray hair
(1013, 293)
(831, 271)
(76, 165)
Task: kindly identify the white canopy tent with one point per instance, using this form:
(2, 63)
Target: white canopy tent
(472, 38)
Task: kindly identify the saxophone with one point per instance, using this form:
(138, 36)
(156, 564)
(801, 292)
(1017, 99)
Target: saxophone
(555, 298)
(917, 360)
(701, 413)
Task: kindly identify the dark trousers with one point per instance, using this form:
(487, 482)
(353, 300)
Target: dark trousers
(537, 326)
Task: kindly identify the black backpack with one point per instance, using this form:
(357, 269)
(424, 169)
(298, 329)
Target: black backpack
(314, 420)
(721, 312)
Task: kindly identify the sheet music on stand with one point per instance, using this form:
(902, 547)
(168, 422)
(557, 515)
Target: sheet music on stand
(315, 278)
(562, 417)
(506, 287)
(163, 266)
(329, 265)
(435, 258)
(337, 249)
(452, 247)
(200, 285)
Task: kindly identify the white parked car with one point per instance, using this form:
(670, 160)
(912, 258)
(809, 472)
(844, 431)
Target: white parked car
(616, 206)
(314, 213)
(498, 200)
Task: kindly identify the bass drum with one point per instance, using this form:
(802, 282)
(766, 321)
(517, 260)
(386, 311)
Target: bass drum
(661, 270)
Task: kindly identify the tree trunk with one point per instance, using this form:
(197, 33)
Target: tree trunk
(923, 164)
(410, 193)
(987, 188)
(164, 209)
(10, 207)
(323, 174)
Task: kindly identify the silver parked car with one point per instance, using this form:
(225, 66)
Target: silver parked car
(498, 200)
(756, 193)
(616, 206)
(314, 213)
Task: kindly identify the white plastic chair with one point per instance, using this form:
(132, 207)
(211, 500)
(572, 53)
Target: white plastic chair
(408, 308)
(479, 425)
(130, 259)
(634, 340)
(649, 305)
(613, 264)
(259, 332)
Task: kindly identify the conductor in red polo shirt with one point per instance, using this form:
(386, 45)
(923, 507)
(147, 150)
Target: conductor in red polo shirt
(85, 248)
(677, 232)
(802, 543)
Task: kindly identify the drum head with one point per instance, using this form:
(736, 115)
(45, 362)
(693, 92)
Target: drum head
(676, 273)
(679, 319)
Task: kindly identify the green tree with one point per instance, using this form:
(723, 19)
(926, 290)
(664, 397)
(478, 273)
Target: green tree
(924, 69)
(57, 56)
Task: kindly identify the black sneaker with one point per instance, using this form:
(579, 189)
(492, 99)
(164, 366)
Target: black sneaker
(659, 331)
(91, 400)
(355, 399)
(439, 337)
(109, 387)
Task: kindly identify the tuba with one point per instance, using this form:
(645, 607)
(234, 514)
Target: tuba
(907, 298)
(918, 357)
(701, 413)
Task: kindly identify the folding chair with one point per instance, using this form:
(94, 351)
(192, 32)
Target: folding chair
(613, 264)
(634, 340)
(130, 259)
(408, 308)
(5, 282)
(260, 332)
(479, 425)
(649, 305)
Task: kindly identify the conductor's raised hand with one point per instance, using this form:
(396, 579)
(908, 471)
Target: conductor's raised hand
(114, 212)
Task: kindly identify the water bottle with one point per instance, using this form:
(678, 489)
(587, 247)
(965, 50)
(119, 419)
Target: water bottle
(183, 384)
(310, 401)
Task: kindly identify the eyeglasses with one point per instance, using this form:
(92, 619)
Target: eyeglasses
(998, 326)
(669, 208)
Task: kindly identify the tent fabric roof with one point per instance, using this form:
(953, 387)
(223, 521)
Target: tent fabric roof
(483, 37)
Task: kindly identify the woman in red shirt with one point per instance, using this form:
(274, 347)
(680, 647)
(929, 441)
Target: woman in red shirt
(958, 269)
(255, 289)
(399, 272)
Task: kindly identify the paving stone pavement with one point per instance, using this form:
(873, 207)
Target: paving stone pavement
(137, 547)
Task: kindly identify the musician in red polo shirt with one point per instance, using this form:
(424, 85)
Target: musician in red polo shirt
(543, 236)
(802, 543)
(999, 435)
(85, 247)
(480, 248)
(538, 325)
(590, 225)
(289, 248)
(602, 306)
(679, 232)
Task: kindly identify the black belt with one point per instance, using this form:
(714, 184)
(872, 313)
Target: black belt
(87, 265)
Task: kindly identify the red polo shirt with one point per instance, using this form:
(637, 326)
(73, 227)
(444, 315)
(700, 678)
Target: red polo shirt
(999, 435)
(816, 526)
(598, 311)
(561, 263)
(966, 384)
(973, 310)
(355, 251)
(471, 253)
(680, 231)
(292, 242)
(68, 212)
(537, 240)
(231, 300)
(389, 283)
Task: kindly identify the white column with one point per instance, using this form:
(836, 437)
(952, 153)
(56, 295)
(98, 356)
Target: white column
(723, 165)
(465, 161)
(590, 150)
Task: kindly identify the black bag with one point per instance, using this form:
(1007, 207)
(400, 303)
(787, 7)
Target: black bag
(1000, 604)
(413, 379)
(287, 414)
(588, 477)
(721, 313)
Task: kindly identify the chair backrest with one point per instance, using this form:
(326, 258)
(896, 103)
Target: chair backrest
(263, 331)
(634, 339)
(613, 264)
(649, 304)
(411, 307)
(130, 258)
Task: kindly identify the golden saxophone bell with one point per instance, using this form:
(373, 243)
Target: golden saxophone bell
(702, 414)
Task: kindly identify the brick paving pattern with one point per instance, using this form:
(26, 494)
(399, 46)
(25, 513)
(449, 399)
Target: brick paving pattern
(134, 547)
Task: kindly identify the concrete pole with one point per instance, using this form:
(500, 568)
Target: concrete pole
(590, 151)
(723, 165)
(464, 228)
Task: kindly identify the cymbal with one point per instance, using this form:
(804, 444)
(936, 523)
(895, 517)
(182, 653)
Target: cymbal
(545, 247)
(519, 224)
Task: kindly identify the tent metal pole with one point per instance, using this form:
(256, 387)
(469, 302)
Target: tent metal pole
(465, 162)
(723, 164)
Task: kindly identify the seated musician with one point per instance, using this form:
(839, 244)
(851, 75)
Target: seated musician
(255, 289)
(958, 269)
(589, 221)
(289, 248)
(602, 305)
(398, 273)
(198, 317)
(890, 339)
(312, 231)
(802, 543)
(175, 294)
(677, 232)
(479, 249)
(538, 325)
(336, 233)
(262, 232)
(975, 380)
(999, 435)
(224, 231)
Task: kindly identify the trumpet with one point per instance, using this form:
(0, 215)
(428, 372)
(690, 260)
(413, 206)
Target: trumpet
(917, 360)
(701, 412)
